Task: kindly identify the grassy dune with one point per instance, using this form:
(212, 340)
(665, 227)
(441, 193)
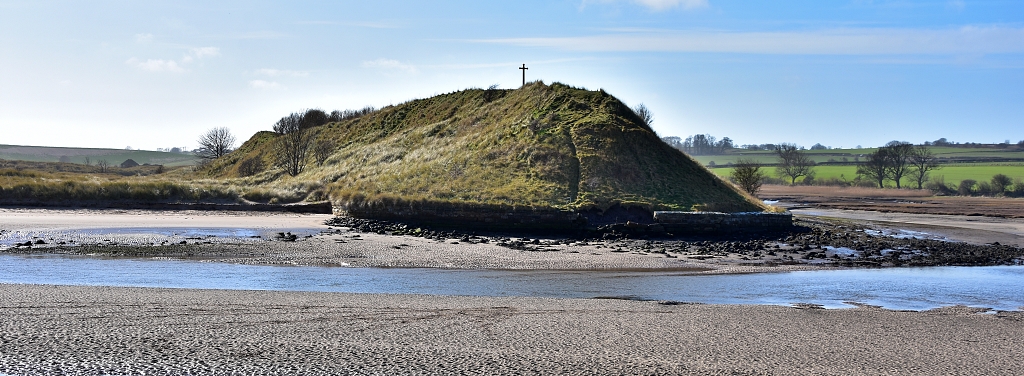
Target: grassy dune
(541, 146)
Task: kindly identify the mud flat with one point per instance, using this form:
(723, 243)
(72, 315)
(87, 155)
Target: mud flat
(107, 330)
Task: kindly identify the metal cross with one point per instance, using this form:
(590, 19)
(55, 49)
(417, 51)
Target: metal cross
(524, 68)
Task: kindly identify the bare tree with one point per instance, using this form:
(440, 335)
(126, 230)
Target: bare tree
(293, 145)
(898, 155)
(748, 175)
(644, 113)
(322, 149)
(875, 166)
(103, 165)
(216, 143)
(793, 163)
(921, 162)
(87, 161)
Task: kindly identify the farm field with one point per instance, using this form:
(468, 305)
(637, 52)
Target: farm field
(952, 174)
(79, 155)
(944, 154)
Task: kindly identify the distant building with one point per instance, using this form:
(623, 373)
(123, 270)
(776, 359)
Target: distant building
(129, 163)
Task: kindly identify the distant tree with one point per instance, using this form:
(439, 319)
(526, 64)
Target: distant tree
(875, 166)
(941, 142)
(724, 144)
(87, 161)
(673, 141)
(898, 156)
(314, 117)
(1000, 182)
(175, 150)
(748, 175)
(793, 163)
(103, 165)
(323, 147)
(64, 159)
(819, 146)
(921, 162)
(644, 114)
(216, 143)
(293, 145)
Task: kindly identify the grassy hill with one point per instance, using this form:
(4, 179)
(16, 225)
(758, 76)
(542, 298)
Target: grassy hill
(547, 146)
(79, 155)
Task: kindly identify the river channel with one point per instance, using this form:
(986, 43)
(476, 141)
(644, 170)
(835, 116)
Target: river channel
(998, 287)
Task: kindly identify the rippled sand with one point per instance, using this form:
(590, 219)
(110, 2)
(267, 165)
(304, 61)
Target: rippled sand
(122, 331)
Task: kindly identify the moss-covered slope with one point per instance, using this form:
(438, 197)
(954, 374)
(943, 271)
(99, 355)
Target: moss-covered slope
(543, 146)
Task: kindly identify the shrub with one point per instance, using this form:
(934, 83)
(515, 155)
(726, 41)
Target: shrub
(966, 187)
(938, 186)
(1000, 182)
(250, 167)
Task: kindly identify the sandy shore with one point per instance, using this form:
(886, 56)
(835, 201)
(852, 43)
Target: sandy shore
(127, 331)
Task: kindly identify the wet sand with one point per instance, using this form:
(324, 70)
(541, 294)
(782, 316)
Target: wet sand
(107, 330)
(970, 229)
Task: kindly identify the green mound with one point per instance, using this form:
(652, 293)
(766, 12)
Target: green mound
(539, 146)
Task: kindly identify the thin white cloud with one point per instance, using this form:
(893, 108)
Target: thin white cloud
(200, 52)
(159, 65)
(965, 40)
(392, 65)
(279, 72)
(155, 65)
(143, 38)
(660, 5)
(957, 5)
(264, 85)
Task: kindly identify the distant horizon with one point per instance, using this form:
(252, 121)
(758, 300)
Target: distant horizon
(155, 75)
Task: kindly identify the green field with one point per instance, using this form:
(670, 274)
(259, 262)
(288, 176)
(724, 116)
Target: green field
(78, 155)
(944, 154)
(952, 173)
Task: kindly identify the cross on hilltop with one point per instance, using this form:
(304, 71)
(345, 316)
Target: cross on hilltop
(524, 68)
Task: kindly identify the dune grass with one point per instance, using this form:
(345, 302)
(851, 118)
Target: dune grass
(550, 146)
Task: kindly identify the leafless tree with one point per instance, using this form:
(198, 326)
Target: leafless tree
(875, 166)
(293, 145)
(921, 162)
(103, 165)
(793, 163)
(322, 149)
(898, 155)
(644, 113)
(216, 143)
(87, 161)
(748, 175)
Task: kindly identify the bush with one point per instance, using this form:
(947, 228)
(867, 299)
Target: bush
(966, 187)
(250, 167)
(1000, 182)
(938, 186)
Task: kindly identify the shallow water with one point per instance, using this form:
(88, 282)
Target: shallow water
(998, 287)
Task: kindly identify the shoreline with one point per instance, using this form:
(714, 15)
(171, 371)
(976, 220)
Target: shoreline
(323, 240)
(109, 330)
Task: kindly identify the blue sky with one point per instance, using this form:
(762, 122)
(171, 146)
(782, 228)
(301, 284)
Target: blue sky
(157, 74)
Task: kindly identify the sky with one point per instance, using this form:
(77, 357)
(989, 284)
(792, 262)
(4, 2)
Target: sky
(157, 74)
